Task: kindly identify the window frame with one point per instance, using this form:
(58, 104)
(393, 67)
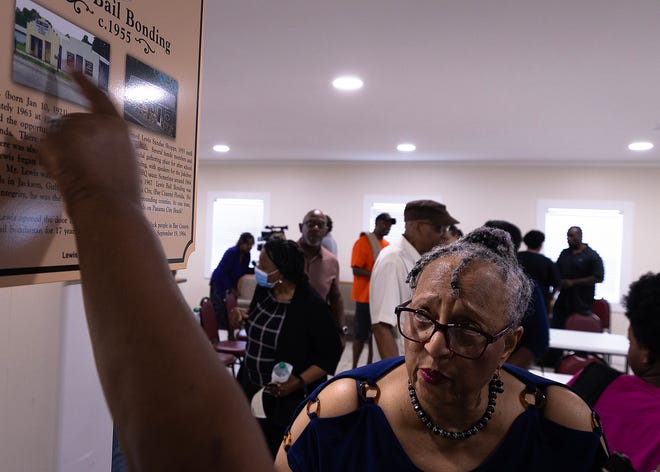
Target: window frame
(212, 197)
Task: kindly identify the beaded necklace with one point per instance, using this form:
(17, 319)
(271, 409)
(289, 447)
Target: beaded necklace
(494, 387)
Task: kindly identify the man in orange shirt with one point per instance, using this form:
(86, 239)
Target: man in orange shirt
(365, 252)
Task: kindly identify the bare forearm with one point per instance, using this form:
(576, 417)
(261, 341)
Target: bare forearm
(360, 272)
(145, 341)
(590, 280)
(384, 340)
(170, 397)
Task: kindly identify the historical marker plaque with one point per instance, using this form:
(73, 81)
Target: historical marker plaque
(146, 55)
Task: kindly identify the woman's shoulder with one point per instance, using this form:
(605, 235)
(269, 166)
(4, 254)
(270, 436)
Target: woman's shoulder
(335, 410)
(633, 382)
(342, 394)
(558, 403)
(635, 394)
(566, 408)
(231, 251)
(337, 398)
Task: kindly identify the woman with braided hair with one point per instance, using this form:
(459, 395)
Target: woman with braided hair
(451, 403)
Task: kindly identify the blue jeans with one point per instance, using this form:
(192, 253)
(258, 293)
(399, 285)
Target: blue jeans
(117, 457)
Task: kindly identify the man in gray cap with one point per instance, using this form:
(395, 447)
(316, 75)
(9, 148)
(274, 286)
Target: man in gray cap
(426, 226)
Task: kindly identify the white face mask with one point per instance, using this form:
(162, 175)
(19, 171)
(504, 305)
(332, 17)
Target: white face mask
(262, 277)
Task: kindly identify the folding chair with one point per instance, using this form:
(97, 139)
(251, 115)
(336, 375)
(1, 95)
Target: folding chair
(231, 302)
(575, 360)
(229, 352)
(601, 308)
(573, 363)
(580, 322)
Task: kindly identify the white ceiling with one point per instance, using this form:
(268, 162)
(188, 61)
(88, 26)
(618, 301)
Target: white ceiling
(561, 81)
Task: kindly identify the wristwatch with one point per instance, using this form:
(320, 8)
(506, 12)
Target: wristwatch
(344, 329)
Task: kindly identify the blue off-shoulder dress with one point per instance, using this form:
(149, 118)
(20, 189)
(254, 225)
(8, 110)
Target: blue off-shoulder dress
(363, 440)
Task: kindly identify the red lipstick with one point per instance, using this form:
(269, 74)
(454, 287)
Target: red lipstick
(432, 376)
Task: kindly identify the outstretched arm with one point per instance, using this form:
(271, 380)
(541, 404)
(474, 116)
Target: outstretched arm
(174, 404)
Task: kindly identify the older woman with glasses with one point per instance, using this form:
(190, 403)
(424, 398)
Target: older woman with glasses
(451, 403)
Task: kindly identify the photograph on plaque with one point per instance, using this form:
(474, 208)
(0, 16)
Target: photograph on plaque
(46, 46)
(150, 98)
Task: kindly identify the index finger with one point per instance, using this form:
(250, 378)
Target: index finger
(98, 101)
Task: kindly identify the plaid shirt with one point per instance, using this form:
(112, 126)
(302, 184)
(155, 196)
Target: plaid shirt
(265, 324)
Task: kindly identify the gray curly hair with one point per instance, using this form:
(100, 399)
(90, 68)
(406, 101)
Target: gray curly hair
(492, 246)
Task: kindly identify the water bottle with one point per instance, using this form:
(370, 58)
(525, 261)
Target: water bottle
(281, 372)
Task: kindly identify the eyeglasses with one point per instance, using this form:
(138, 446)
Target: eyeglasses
(317, 223)
(463, 339)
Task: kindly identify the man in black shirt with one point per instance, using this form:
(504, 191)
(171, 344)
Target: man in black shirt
(580, 269)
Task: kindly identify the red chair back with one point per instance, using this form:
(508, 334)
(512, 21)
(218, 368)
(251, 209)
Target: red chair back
(572, 363)
(208, 319)
(580, 322)
(601, 308)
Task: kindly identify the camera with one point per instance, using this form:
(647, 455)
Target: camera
(272, 232)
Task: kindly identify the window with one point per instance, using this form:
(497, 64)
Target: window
(229, 215)
(603, 225)
(392, 204)
(89, 68)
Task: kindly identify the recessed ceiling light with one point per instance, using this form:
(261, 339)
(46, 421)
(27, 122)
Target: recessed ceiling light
(221, 148)
(347, 82)
(406, 147)
(640, 146)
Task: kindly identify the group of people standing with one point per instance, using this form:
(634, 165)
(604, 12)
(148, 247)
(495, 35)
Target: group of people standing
(297, 316)
(571, 279)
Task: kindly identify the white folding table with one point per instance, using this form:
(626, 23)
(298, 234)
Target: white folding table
(599, 343)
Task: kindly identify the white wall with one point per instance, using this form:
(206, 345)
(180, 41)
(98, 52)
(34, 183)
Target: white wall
(53, 416)
(42, 334)
(84, 430)
(30, 327)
